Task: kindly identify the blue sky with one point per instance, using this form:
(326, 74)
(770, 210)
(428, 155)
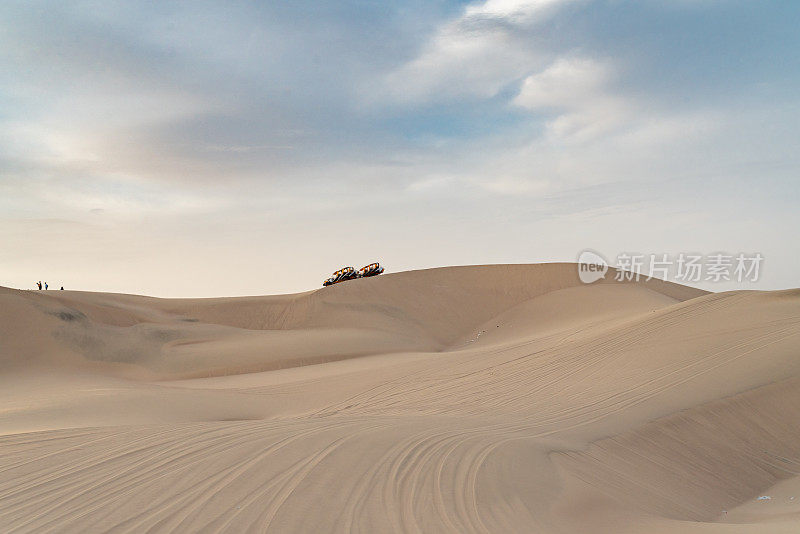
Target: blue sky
(202, 148)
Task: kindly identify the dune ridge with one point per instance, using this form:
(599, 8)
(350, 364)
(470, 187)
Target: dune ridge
(507, 398)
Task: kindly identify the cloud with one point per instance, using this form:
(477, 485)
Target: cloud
(566, 83)
(575, 90)
(514, 11)
(478, 54)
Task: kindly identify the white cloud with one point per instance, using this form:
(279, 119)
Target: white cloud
(576, 90)
(518, 11)
(477, 54)
(583, 108)
(568, 82)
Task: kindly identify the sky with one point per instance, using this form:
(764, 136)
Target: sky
(240, 148)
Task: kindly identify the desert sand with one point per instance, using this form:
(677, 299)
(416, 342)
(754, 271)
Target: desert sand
(506, 398)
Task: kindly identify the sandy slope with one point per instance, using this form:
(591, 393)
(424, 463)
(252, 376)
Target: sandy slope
(464, 399)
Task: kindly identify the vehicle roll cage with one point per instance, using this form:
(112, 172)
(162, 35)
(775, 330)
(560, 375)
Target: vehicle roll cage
(348, 273)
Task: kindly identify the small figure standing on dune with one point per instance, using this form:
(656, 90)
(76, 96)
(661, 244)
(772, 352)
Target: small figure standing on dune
(39, 283)
(45, 286)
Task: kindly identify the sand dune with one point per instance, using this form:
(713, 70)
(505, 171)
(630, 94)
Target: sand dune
(464, 399)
